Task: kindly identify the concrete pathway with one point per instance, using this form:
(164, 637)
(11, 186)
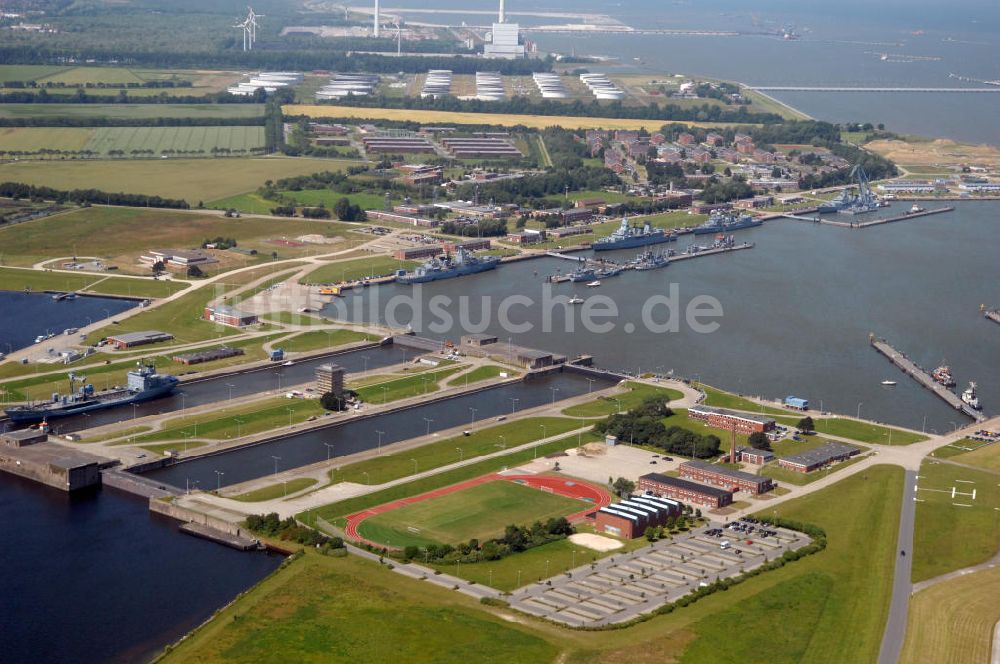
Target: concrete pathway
(414, 571)
(981, 567)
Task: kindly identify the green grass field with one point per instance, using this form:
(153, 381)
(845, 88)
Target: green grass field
(954, 531)
(953, 621)
(481, 441)
(404, 388)
(337, 609)
(191, 179)
(785, 476)
(131, 111)
(274, 491)
(867, 433)
(747, 627)
(121, 235)
(721, 399)
(352, 270)
(319, 339)
(636, 394)
(479, 512)
(19, 279)
(315, 197)
(481, 373)
(104, 140)
(982, 455)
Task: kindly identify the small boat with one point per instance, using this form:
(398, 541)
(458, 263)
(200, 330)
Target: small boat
(576, 299)
(970, 397)
(888, 382)
(943, 376)
(287, 364)
(593, 284)
(915, 209)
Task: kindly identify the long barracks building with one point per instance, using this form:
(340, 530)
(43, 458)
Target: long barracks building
(721, 418)
(726, 478)
(685, 490)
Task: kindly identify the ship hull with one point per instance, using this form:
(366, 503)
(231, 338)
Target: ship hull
(708, 230)
(632, 242)
(445, 274)
(32, 415)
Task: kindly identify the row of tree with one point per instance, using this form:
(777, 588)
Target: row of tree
(514, 540)
(289, 530)
(644, 425)
(18, 190)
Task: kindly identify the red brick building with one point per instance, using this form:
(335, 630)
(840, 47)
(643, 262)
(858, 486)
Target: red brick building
(720, 418)
(630, 518)
(685, 490)
(726, 478)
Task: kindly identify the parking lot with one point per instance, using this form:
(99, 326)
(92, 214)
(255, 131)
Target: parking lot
(621, 587)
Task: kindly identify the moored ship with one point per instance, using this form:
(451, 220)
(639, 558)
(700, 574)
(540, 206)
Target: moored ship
(628, 236)
(462, 263)
(943, 375)
(725, 222)
(144, 384)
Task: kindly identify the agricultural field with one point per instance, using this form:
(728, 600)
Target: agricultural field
(133, 141)
(131, 111)
(957, 523)
(478, 512)
(119, 235)
(497, 119)
(94, 79)
(953, 620)
(193, 180)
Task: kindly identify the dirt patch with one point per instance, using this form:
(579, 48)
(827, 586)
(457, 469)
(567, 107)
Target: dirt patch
(595, 542)
(939, 152)
(319, 239)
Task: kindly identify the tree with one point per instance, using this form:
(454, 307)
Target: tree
(411, 552)
(158, 268)
(650, 534)
(759, 441)
(331, 401)
(623, 487)
(806, 424)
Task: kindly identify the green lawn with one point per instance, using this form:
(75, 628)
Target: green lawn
(803, 597)
(404, 388)
(332, 511)
(353, 270)
(222, 424)
(277, 490)
(480, 441)
(720, 399)
(180, 447)
(319, 339)
(957, 531)
(345, 609)
(636, 394)
(38, 280)
(295, 318)
(328, 198)
(482, 373)
(785, 476)
(867, 433)
(479, 512)
(972, 452)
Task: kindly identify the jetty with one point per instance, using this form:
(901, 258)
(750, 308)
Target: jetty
(711, 252)
(923, 377)
(873, 222)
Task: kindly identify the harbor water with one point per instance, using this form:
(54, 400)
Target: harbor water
(38, 314)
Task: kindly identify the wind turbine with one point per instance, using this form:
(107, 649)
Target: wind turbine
(399, 39)
(245, 27)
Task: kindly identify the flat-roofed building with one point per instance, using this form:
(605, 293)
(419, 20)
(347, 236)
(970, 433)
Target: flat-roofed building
(132, 339)
(722, 418)
(823, 455)
(685, 490)
(726, 478)
(330, 378)
(223, 314)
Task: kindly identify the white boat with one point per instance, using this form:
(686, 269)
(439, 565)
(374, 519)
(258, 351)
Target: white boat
(970, 397)
(576, 299)
(916, 209)
(288, 363)
(888, 382)
(593, 284)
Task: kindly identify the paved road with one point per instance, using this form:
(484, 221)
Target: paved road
(895, 627)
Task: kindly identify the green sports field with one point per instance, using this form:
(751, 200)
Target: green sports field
(479, 512)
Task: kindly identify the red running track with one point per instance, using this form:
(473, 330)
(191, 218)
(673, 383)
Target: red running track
(596, 496)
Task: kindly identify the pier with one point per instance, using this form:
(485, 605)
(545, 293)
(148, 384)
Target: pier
(923, 377)
(873, 222)
(710, 252)
(813, 88)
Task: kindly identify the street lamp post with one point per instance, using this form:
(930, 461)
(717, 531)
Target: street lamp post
(218, 480)
(230, 386)
(619, 404)
(276, 460)
(461, 455)
(239, 422)
(380, 434)
(502, 443)
(860, 403)
(329, 450)
(290, 411)
(590, 385)
(414, 466)
(554, 390)
(513, 405)
(365, 358)
(473, 425)
(428, 421)
(385, 393)
(367, 478)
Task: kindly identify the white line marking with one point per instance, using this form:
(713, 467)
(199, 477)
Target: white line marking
(961, 505)
(952, 492)
(921, 500)
(965, 481)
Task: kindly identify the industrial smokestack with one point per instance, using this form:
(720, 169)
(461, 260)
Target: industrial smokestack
(378, 19)
(503, 14)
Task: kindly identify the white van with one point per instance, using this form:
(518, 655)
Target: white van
(724, 544)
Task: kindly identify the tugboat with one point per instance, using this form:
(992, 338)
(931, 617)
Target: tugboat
(628, 237)
(144, 384)
(943, 375)
(581, 274)
(970, 397)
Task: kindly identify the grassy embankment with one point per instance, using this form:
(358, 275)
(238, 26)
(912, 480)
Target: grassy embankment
(37, 280)
(323, 339)
(404, 388)
(606, 405)
(274, 491)
(354, 270)
(482, 373)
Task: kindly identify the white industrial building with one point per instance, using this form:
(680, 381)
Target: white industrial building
(504, 40)
(601, 87)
